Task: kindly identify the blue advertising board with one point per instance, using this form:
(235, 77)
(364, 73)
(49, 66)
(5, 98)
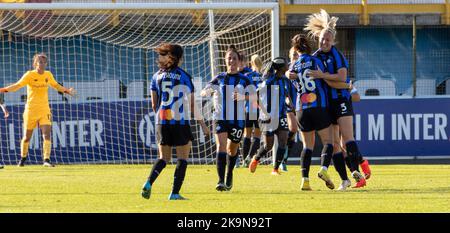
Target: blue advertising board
(123, 131)
(403, 127)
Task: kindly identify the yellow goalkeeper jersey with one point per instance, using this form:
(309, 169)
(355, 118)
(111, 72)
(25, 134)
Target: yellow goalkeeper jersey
(37, 89)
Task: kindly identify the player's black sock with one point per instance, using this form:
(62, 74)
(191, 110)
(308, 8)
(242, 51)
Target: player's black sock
(261, 152)
(291, 140)
(221, 165)
(353, 153)
(256, 142)
(348, 162)
(290, 146)
(231, 163)
(339, 165)
(157, 168)
(246, 144)
(178, 176)
(327, 155)
(360, 158)
(280, 156)
(306, 156)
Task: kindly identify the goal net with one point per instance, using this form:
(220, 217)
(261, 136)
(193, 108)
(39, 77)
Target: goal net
(106, 52)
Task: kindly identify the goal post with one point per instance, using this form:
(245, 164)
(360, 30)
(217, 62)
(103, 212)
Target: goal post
(106, 52)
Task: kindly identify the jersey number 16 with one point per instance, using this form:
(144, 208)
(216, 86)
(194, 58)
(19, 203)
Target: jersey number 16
(306, 82)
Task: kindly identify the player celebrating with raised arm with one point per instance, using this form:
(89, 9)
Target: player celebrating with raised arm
(37, 110)
(322, 26)
(274, 103)
(229, 115)
(172, 93)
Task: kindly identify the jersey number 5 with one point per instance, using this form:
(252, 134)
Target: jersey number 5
(166, 87)
(343, 108)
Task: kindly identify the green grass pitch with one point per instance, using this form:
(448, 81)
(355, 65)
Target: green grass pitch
(116, 188)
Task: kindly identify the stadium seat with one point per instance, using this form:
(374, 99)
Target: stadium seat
(370, 87)
(135, 90)
(372, 92)
(424, 87)
(108, 90)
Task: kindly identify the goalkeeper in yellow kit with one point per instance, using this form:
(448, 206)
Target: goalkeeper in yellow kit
(37, 110)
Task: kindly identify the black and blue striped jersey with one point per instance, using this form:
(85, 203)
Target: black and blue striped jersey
(255, 77)
(293, 92)
(312, 93)
(334, 60)
(252, 108)
(225, 108)
(272, 94)
(172, 88)
(246, 70)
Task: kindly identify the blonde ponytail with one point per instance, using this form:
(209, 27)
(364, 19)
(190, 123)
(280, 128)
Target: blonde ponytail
(319, 23)
(257, 63)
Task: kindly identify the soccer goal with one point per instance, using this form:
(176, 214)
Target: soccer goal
(106, 52)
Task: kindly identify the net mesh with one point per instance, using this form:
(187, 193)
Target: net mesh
(108, 57)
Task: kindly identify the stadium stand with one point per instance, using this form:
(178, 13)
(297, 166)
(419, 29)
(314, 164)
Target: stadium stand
(135, 90)
(424, 87)
(17, 97)
(20, 96)
(103, 90)
(367, 87)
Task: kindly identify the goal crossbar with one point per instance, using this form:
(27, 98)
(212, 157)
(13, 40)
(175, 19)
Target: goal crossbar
(273, 6)
(136, 6)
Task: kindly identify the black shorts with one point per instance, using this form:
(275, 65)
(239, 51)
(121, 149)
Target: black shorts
(282, 126)
(313, 119)
(173, 135)
(251, 124)
(234, 131)
(340, 107)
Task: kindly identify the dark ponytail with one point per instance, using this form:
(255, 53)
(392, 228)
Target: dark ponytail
(274, 66)
(301, 44)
